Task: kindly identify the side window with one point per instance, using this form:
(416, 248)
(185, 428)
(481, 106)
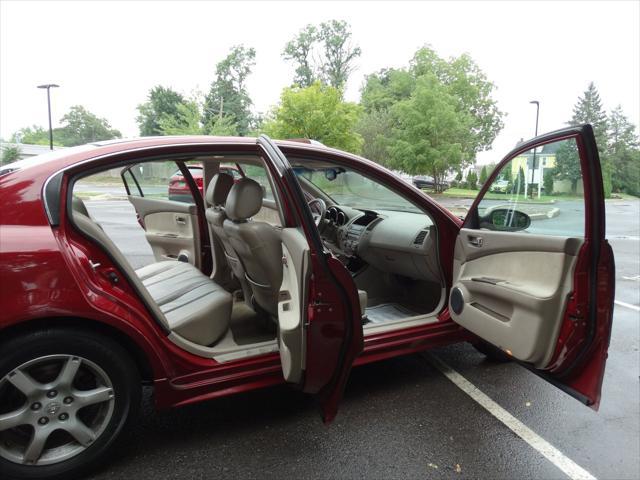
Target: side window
(161, 180)
(539, 192)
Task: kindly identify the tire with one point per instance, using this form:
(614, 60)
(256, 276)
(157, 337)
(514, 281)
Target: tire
(492, 352)
(104, 383)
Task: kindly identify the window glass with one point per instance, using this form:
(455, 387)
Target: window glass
(549, 193)
(163, 180)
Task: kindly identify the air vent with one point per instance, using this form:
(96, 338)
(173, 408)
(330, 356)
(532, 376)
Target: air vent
(420, 237)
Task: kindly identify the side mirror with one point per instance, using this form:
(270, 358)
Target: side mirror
(506, 220)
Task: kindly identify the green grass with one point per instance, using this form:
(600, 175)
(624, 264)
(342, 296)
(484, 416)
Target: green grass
(468, 193)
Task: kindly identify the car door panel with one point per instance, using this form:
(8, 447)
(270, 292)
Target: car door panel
(546, 299)
(171, 228)
(320, 344)
(515, 284)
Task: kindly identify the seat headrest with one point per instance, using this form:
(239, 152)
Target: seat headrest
(218, 189)
(77, 205)
(244, 200)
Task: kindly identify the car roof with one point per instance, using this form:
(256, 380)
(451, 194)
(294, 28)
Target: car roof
(62, 158)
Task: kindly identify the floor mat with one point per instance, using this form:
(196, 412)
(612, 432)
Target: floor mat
(387, 312)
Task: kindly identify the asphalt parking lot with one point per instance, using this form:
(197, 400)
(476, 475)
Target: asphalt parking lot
(403, 417)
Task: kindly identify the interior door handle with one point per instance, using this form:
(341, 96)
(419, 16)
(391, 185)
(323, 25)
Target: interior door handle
(181, 221)
(475, 241)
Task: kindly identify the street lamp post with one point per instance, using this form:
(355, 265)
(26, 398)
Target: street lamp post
(49, 86)
(533, 166)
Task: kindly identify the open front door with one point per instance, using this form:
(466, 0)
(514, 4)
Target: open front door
(320, 326)
(533, 272)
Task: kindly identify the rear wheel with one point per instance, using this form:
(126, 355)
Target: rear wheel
(65, 396)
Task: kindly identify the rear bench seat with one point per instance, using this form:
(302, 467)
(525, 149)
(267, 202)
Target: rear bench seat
(195, 307)
(188, 302)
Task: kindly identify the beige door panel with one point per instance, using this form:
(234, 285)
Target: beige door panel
(291, 304)
(515, 287)
(171, 228)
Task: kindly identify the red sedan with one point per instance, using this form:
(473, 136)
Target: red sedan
(314, 261)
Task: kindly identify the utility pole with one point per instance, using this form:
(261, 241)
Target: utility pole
(49, 86)
(533, 167)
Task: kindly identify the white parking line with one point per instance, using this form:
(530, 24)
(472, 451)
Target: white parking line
(551, 453)
(627, 305)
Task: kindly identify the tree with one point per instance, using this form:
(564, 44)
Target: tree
(34, 135)
(339, 53)
(323, 53)
(547, 181)
(228, 94)
(10, 153)
(161, 102)
(299, 50)
(428, 132)
(472, 180)
(316, 112)
(79, 126)
(188, 121)
(468, 124)
(588, 109)
(483, 175)
(623, 152)
(518, 187)
(373, 128)
(568, 163)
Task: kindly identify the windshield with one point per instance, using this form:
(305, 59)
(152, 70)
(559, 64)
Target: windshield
(349, 188)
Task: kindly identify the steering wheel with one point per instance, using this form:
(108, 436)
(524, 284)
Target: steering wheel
(318, 212)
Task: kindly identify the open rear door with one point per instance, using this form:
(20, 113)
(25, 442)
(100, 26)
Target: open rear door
(320, 327)
(533, 272)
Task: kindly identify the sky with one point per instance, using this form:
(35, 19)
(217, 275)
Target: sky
(107, 55)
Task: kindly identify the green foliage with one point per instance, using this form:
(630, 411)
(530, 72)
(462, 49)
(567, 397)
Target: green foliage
(623, 153)
(323, 53)
(339, 54)
(185, 121)
(428, 132)
(161, 102)
(228, 96)
(483, 175)
(299, 51)
(442, 111)
(520, 180)
(80, 126)
(374, 128)
(568, 163)
(316, 112)
(34, 135)
(588, 109)
(547, 181)
(10, 153)
(472, 180)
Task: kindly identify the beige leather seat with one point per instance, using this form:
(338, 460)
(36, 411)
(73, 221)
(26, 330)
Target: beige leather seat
(216, 196)
(195, 307)
(183, 298)
(257, 244)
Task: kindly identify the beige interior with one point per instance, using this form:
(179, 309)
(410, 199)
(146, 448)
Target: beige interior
(515, 288)
(291, 303)
(171, 228)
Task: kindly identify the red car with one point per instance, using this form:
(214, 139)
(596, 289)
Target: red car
(178, 189)
(315, 261)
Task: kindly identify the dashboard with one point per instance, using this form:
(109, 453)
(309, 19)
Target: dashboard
(402, 243)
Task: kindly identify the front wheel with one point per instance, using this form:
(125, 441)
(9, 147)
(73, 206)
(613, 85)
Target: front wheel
(65, 396)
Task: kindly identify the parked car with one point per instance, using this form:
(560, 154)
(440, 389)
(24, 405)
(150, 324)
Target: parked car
(351, 266)
(179, 190)
(424, 181)
(500, 186)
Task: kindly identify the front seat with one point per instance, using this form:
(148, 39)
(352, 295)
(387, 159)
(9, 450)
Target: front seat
(216, 196)
(257, 244)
